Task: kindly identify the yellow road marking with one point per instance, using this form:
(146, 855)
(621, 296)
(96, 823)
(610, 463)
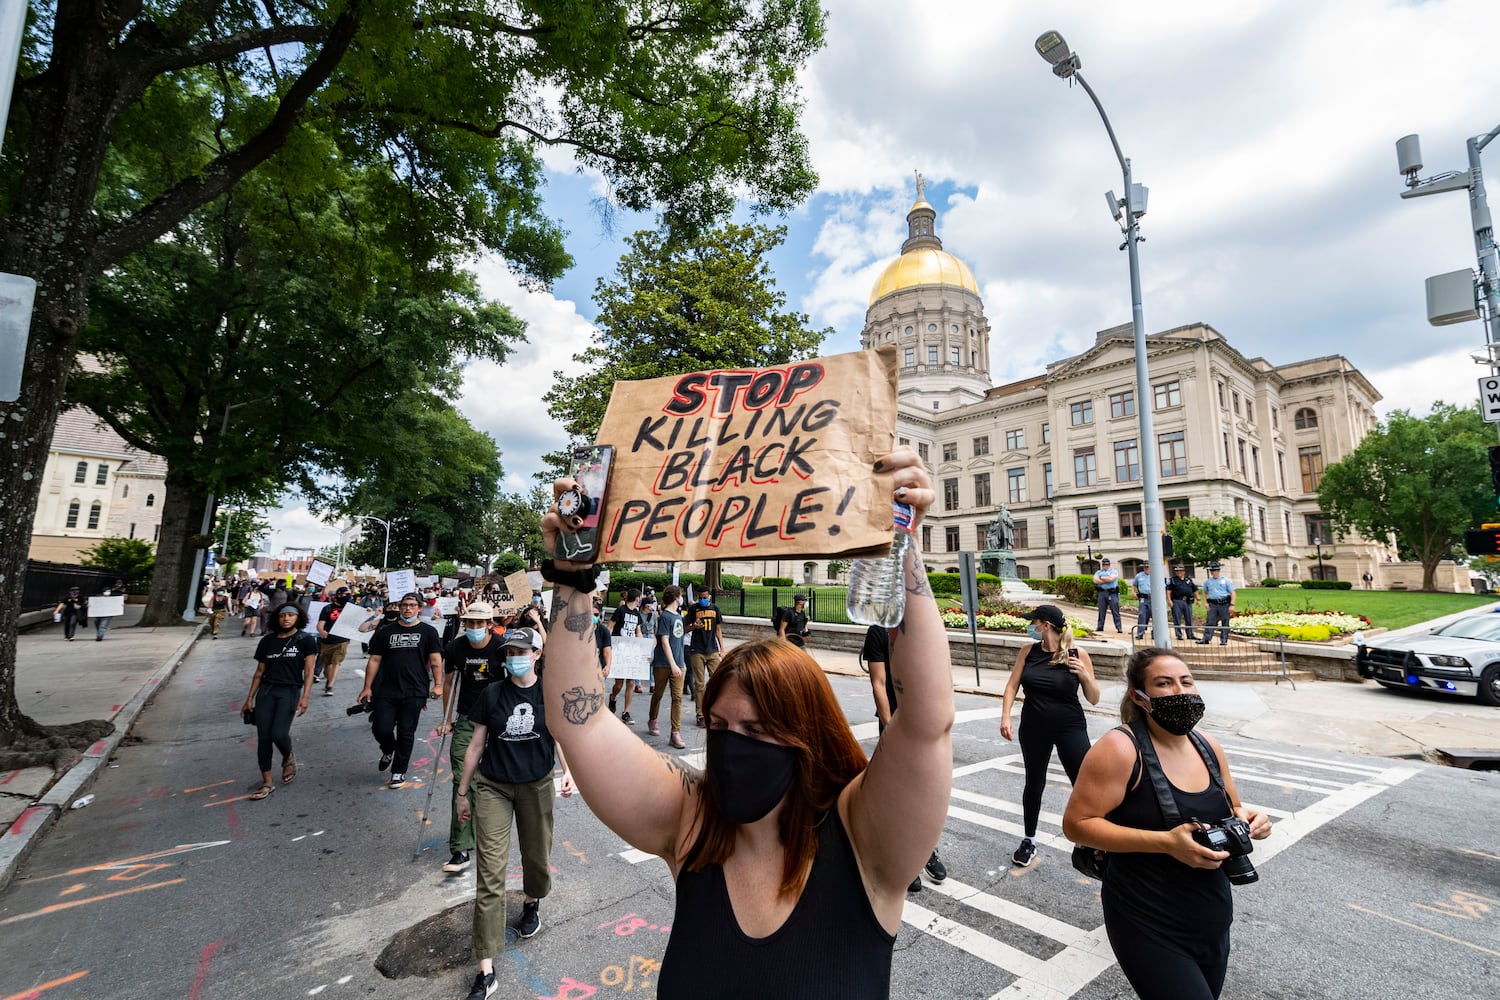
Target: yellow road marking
(38, 990)
(1480, 854)
(1425, 930)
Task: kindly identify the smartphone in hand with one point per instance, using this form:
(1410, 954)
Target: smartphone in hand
(589, 469)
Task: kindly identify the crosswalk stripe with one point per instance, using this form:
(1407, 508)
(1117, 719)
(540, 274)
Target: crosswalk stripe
(982, 946)
(1056, 840)
(1288, 758)
(1010, 912)
(1001, 805)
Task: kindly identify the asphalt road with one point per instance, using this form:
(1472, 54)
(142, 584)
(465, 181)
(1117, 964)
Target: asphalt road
(1382, 879)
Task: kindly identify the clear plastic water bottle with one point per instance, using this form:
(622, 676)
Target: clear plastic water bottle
(877, 587)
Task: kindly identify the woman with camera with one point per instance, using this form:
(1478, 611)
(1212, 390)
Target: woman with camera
(791, 853)
(284, 662)
(1052, 671)
(1166, 892)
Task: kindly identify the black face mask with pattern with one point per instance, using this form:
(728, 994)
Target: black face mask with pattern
(1176, 713)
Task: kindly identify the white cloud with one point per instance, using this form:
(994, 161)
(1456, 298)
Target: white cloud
(294, 526)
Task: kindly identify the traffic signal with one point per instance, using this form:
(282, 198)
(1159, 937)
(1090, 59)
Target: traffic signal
(1495, 467)
(1166, 545)
(1483, 541)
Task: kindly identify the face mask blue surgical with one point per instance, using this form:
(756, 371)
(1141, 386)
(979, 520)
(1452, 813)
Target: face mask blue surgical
(517, 666)
(1033, 631)
(702, 602)
(409, 621)
(476, 634)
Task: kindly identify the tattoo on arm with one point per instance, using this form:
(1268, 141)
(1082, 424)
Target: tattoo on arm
(579, 705)
(690, 777)
(916, 579)
(896, 683)
(580, 623)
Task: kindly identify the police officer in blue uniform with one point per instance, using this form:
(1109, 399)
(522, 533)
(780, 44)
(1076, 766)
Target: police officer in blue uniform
(1107, 583)
(1181, 590)
(1142, 586)
(1219, 593)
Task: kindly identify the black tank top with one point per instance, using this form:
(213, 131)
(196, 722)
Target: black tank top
(831, 947)
(1051, 691)
(1157, 891)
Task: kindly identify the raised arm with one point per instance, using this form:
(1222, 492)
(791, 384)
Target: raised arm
(639, 794)
(896, 808)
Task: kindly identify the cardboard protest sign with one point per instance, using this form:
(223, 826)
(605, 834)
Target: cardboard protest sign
(426, 581)
(447, 606)
(631, 659)
(350, 619)
(400, 582)
(314, 609)
(449, 582)
(752, 463)
(319, 572)
(106, 607)
(519, 586)
(535, 579)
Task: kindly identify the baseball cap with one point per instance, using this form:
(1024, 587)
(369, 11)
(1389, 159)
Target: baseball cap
(479, 609)
(522, 638)
(799, 598)
(1213, 565)
(1049, 613)
(1104, 561)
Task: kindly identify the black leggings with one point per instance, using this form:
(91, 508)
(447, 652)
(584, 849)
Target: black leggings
(275, 706)
(1037, 739)
(1166, 970)
(394, 723)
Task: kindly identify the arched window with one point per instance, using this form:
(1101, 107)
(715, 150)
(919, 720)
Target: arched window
(73, 514)
(125, 491)
(94, 509)
(150, 499)
(80, 472)
(1305, 419)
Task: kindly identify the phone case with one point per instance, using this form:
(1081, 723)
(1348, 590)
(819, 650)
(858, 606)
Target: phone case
(590, 470)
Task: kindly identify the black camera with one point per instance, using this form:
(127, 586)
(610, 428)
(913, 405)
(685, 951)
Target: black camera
(1230, 834)
(358, 708)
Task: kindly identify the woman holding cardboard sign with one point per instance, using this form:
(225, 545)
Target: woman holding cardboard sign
(792, 853)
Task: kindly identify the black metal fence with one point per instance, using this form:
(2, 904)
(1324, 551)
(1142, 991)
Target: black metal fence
(47, 583)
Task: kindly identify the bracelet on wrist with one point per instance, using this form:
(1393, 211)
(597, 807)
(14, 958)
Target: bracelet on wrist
(582, 580)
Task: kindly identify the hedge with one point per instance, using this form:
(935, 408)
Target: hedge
(621, 580)
(950, 585)
(1045, 586)
(1270, 581)
(1327, 585)
(775, 581)
(1076, 588)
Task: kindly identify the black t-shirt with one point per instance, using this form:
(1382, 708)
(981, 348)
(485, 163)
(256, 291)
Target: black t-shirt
(705, 624)
(477, 668)
(74, 605)
(284, 658)
(627, 621)
(1051, 691)
(796, 621)
(602, 641)
(877, 649)
(517, 748)
(330, 614)
(403, 652)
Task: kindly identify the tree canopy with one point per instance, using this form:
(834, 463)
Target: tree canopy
(1417, 481)
(244, 528)
(1202, 540)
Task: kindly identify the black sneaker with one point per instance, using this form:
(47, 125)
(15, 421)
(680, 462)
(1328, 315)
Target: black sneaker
(1025, 854)
(531, 919)
(935, 869)
(458, 863)
(916, 885)
(626, 719)
(484, 987)
(397, 779)
(611, 706)
(385, 760)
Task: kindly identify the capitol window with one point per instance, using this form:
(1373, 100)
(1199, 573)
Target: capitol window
(953, 328)
(910, 331)
(1305, 419)
(910, 357)
(932, 354)
(953, 356)
(932, 328)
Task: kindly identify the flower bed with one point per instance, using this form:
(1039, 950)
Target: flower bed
(1306, 626)
(1002, 622)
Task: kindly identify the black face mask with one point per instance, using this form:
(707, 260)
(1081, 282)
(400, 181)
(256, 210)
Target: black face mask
(749, 776)
(1176, 713)
(391, 616)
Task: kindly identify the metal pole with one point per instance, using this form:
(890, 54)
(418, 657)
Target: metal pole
(1484, 242)
(1161, 633)
(437, 760)
(224, 550)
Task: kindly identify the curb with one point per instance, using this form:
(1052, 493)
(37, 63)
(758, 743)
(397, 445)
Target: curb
(18, 841)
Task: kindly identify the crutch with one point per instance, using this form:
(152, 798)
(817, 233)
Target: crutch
(437, 760)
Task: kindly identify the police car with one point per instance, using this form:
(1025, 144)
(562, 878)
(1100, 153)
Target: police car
(1461, 658)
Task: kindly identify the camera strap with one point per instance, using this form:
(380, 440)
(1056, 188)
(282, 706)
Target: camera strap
(1151, 764)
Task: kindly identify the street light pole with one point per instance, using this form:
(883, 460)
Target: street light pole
(385, 556)
(1065, 64)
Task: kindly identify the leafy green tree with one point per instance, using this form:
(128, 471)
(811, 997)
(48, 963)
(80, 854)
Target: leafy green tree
(682, 105)
(246, 529)
(1418, 480)
(681, 305)
(128, 558)
(1202, 540)
(445, 568)
(513, 525)
(507, 563)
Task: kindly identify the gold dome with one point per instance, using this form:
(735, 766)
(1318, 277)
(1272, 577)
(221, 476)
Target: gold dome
(924, 266)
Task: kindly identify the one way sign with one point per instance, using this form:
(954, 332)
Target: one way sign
(1489, 399)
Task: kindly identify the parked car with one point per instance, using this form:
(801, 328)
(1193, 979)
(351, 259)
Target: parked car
(1461, 658)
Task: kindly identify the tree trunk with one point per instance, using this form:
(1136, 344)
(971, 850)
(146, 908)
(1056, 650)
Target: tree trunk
(1429, 573)
(713, 575)
(181, 519)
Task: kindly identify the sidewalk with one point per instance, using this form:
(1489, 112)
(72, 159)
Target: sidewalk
(59, 681)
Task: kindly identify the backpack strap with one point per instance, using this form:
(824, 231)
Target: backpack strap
(1154, 771)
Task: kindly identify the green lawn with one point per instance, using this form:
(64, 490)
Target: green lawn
(1384, 608)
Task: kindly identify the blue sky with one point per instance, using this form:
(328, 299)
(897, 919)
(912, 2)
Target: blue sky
(1265, 131)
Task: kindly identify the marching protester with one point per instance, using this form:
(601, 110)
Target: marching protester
(508, 770)
(793, 624)
(250, 610)
(815, 846)
(402, 654)
(1051, 671)
(471, 663)
(219, 607)
(101, 622)
(876, 653)
(332, 648)
(279, 688)
(705, 642)
(72, 611)
(625, 624)
(667, 665)
(1166, 896)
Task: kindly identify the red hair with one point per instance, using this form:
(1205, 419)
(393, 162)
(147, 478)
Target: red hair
(796, 706)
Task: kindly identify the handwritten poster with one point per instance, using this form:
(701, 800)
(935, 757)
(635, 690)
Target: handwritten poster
(518, 584)
(631, 658)
(449, 582)
(314, 609)
(106, 607)
(319, 572)
(400, 582)
(763, 462)
(447, 606)
(350, 619)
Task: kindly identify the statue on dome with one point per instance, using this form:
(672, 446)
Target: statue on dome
(921, 186)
